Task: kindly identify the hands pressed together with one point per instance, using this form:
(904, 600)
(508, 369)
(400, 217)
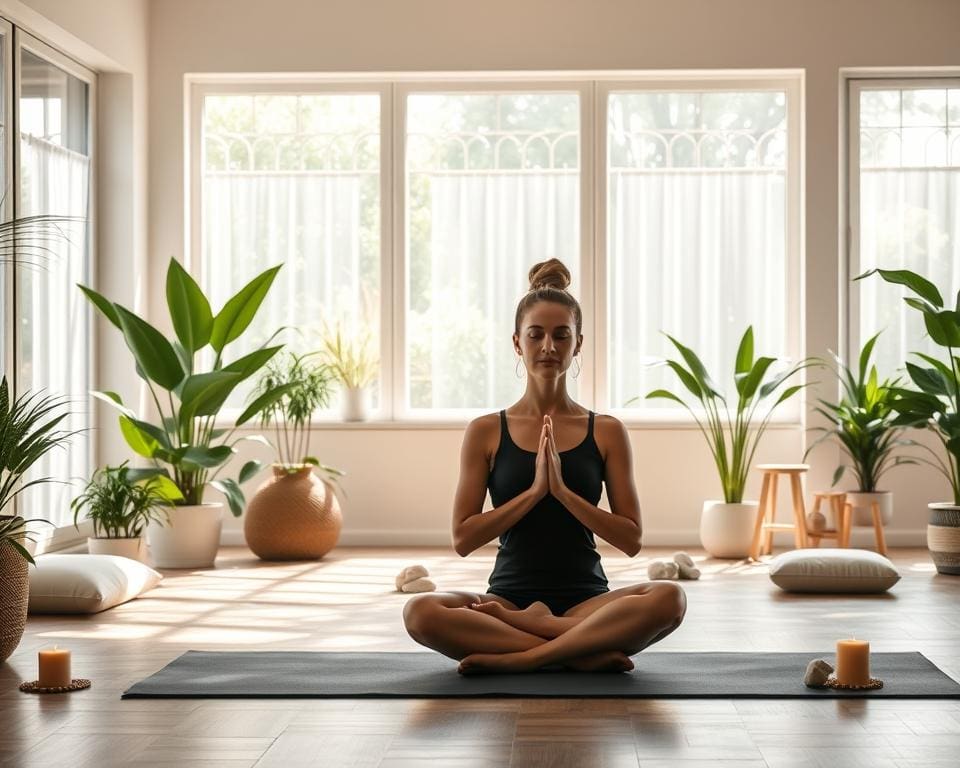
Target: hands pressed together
(548, 477)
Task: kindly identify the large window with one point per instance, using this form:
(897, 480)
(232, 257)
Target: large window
(674, 204)
(50, 339)
(905, 206)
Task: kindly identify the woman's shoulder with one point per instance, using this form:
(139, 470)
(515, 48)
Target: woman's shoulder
(609, 432)
(484, 426)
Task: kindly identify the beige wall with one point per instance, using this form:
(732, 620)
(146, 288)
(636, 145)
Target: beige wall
(401, 481)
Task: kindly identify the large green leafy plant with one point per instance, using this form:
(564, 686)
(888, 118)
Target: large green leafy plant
(732, 435)
(185, 444)
(28, 431)
(935, 403)
(864, 422)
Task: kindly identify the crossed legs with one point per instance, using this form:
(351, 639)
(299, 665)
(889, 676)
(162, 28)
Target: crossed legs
(494, 636)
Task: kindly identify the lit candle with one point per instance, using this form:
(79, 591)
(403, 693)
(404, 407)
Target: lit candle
(853, 662)
(54, 668)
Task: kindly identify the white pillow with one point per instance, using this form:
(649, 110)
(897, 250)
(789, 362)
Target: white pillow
(833, 570)
(86, 583)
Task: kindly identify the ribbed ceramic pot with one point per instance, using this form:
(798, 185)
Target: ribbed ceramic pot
(14, 590)
(726, 530)
(862, 504)
(293, 516)
(943, 537)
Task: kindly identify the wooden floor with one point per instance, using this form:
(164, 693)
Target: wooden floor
(347, 602)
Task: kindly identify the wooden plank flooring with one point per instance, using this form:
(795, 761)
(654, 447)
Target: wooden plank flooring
(347, 602)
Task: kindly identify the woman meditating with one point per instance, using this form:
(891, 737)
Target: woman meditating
(544, 460)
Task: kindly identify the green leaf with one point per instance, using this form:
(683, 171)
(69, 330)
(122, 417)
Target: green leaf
(189, 308)
(249, 470)
(165, 487)
(665, 395)
(153, 353)
(696, 368)
(140, 442)
(687, 378)
(24, 553)
(106, 307)
(231, 490)
(865, 354)
(250, 364)
(264, 401)
(239, 310)
(919, 285)
(745, 352)
(838, 474)
(748, 386)
(113, 399)
(203, 394)
(208, 458)
(943, 327)
(928, 380)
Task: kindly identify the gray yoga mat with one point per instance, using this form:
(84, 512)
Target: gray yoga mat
(276, 674)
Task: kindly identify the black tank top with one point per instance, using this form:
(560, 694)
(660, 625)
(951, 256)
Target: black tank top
(548, 551)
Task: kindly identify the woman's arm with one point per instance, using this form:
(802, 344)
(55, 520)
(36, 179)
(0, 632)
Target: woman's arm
(621, 527)
(472, 527)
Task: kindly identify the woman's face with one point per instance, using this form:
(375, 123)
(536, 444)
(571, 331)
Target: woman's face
(547, 340)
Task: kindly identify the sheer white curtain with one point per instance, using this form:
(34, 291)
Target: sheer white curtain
(699, 255)
(54, 318)
(487, 230)
(308, 221)
(909, 219)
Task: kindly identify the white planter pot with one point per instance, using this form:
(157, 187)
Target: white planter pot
(861, 503)
(726, 530)
(354, 403)
(190, 539)
(943, 537)
(135, 549)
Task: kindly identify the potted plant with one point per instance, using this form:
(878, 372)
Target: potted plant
(934, 405)
(294, 515)
(183, 443)
(28, 431)
(354, 363)
(864, 427)
(726, 527)
(120, 509)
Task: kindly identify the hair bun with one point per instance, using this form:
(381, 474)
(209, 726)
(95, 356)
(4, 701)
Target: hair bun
(549, 274)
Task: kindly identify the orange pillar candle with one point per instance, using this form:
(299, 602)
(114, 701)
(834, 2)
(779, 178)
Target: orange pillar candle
(54, 668)
(853, 662)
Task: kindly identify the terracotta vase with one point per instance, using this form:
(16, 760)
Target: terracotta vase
(293, 516)
(14, 588)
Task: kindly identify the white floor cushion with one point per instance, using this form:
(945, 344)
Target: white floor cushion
(86, 583)
(833, 570)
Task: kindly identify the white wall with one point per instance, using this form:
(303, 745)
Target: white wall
(400, 482)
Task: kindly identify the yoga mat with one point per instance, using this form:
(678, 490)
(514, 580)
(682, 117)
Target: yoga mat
(275, 674)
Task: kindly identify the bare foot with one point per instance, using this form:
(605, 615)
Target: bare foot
(608, 661)
(496, 663)
(535, 618)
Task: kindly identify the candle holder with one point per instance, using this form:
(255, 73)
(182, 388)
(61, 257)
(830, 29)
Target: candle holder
(872, 685)
(77, 684)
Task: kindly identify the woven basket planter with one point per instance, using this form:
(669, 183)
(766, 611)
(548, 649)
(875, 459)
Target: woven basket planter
(14, 587)
(943, 537)
(293, 516)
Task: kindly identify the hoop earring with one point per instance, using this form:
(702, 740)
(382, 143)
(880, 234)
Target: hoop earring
(516, 368)
(577, 372)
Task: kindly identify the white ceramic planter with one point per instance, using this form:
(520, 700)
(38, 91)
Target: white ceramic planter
(190, 539)
(861, 503)
(726, 530)
(354, 403)
(135, 549)
(943, 537)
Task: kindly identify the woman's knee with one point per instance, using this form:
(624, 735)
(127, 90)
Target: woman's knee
(671, 602)
(419, 613)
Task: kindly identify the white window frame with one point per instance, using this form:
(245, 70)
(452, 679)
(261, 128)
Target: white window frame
(856, 84)
(9, 321)
(593, 89)
(68, 535)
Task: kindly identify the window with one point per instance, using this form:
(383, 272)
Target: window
(53, 324)
(653, 192)
(904, 206)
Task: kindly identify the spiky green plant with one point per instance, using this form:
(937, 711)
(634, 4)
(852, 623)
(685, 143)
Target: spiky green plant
(28, 431)
(864, 422)
(352, 358)
(733, 458)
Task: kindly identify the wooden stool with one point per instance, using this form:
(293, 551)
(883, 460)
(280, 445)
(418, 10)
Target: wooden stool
(877, 525)
(841, 514)
(766, 512)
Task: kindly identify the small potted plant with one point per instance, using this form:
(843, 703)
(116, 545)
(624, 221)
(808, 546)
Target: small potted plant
(28, 431)
(120, 509)
(726, 527)
(294, 515)
(353, 361)
(864, 426)
(184, 442)
(935, 406)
